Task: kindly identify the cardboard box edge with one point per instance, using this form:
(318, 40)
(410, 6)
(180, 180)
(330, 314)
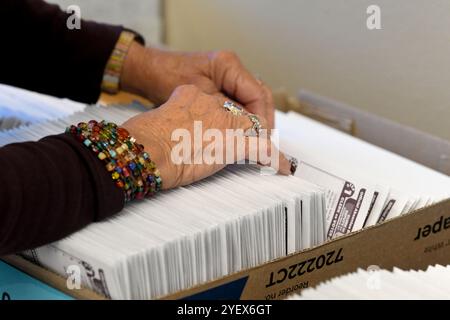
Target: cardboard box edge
(58, 282)
(50, 278)
(223, 280)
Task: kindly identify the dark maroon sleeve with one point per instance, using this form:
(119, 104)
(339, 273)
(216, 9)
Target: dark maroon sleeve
(38, 52)
(49, 189)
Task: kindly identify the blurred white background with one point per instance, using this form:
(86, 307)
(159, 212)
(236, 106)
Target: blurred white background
(401, 72)
(143, 16)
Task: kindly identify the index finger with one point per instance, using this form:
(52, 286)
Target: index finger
(236, 81)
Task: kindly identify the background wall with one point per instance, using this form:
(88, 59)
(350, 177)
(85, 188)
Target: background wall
(401, 72)
(143, 16)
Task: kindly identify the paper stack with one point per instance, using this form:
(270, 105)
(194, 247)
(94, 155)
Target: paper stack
(21, 107)
(234, 220)
(365, 184)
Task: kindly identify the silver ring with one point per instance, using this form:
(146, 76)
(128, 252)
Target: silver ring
(233, 108)
(256, 128)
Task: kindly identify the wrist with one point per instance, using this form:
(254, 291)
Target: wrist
(153, 145)
(137, 76)
(130, 166)
(132, 68)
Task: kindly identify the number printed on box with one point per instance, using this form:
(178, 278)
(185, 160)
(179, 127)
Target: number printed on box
(306, 266)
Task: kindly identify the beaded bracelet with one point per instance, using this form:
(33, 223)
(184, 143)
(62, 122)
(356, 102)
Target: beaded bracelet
(130, 166)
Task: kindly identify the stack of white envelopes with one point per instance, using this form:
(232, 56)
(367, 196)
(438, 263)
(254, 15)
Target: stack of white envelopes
(236, 219)
(365, 184)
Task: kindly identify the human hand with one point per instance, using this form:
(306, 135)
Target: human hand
(159, 129)
(155, 73)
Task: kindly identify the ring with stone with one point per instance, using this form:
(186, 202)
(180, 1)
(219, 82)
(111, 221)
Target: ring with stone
(256, 128)
(233, 108)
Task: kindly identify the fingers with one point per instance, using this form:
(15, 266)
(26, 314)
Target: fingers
(252, 125)
(243, 121)
(270, 110)
(232, 77)
(259, 150)
(237, 146)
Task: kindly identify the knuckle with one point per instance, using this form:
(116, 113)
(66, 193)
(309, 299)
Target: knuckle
(227, 55)
(267, 90)
(262, 94)
(185, 88)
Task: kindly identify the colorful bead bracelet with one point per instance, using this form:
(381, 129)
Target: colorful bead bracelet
(130, 166)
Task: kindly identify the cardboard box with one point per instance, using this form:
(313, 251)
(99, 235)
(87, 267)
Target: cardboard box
(412, 241)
